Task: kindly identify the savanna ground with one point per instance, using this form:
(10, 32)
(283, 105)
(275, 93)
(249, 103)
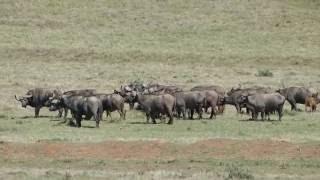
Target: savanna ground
(103, 44)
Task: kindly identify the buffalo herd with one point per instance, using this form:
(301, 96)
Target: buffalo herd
(168, 101)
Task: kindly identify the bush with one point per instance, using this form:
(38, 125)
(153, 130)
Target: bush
(264, 73)
(235, 172)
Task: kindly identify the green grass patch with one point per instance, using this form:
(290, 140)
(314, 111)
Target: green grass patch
(264, 73)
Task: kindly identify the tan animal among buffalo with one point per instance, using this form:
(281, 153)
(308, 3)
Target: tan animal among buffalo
(311, 102)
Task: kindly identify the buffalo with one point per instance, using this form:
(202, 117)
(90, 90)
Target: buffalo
(212, 100)
(295, 95)
(79, 106)
(218, 89)
(233, 96)
(79, 92)
(264, 103)
(131, 90)
(128, 94)
(37, 98)
(156, 105)
(190, 100)
(112, 102)
(157, 89)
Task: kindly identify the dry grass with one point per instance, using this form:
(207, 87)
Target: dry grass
(104, 43)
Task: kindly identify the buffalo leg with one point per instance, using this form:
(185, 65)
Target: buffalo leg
(153, 118)
(121, 114)
(191, 113)
(97, 119)
(148, 117)
(213, 113)
(170, 115)
(124, 112)
(262, 116)
(268, 114)
(170, 118)
(206, 109)
(131, 105)
(247, 110)
(199, 111)
(162, 118)
(36, 112)
(255, 115)
(60, 112)
(238, 108)
(108, 113)
(293, 105)
(97, 123)
(65, 113)
(78, 121)
(280, 113)
(179, 114)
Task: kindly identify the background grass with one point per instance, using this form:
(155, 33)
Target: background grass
(105, 43)
(297, 128)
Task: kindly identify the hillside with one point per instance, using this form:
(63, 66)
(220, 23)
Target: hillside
(102, 44)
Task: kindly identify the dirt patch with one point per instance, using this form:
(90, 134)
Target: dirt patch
(147, 150)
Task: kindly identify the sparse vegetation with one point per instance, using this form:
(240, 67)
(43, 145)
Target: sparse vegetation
(264, 73)
(235, 172)
(105, 43)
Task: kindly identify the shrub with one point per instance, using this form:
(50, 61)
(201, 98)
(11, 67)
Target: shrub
(235, 172)
(264, 73)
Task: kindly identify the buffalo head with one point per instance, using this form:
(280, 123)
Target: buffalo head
(25, 100)
(54, 104)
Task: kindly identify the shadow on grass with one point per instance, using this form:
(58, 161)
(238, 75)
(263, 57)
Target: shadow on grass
(90, 127)
(195, 119)
(56, 119)
(259, 120)
(138, 122)
(32, 117)
(60, 123)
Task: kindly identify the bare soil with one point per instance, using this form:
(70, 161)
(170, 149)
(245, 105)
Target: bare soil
(149, 150)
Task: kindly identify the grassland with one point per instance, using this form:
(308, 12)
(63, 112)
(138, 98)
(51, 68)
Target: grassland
(105, 43)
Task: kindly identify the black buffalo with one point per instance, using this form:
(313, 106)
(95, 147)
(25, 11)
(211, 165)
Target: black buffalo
(265, 104)
(157, 89)
(212, 99)
(37, 98)
(112, 102)
(191, 101)
(81, 92)
(156, 105)
(79, 105)
(78, 92)
(234, 95)
(218, 89)
(296, 95)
